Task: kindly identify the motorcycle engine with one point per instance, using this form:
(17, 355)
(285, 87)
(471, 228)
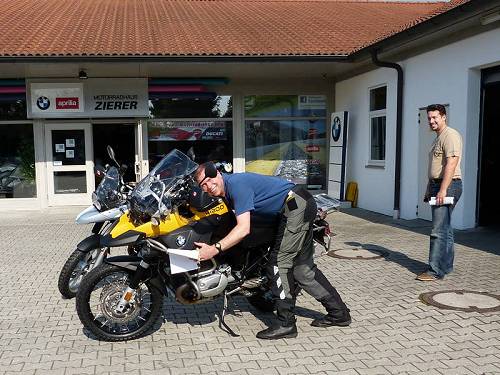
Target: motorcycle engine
(204, 287)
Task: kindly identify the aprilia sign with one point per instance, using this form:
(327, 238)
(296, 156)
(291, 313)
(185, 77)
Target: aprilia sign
(67, 103)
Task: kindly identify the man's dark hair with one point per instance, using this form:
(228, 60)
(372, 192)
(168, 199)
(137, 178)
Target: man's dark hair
(437, 107)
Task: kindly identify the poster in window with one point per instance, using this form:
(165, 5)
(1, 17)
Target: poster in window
(70, 142)
(187, 130)
(70, 154)
(59, 147)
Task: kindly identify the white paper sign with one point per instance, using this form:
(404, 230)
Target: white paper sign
(57, 163)
(70, 154)
(60, 147)
(70, 142)
(183, 260)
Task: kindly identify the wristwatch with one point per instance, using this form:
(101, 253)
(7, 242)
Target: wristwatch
(218, 246)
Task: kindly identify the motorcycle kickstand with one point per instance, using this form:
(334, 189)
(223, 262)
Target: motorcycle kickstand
(222, 322)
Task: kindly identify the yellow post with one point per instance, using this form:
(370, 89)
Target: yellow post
(352, 193)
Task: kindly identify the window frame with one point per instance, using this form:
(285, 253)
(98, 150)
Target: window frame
(379, 113)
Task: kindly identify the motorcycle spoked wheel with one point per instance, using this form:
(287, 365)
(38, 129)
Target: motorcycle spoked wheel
(99, 295)
(74, 270)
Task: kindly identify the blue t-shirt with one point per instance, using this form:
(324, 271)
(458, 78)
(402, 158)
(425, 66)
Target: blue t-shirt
(261, 195)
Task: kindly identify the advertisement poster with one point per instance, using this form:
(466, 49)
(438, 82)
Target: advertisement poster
(186, 130)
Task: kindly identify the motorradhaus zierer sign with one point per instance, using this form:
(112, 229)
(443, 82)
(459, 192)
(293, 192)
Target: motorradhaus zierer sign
(97, 97)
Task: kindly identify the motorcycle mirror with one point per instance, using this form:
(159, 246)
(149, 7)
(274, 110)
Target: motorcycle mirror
(210, 170)
(111, 154)
(190, 153)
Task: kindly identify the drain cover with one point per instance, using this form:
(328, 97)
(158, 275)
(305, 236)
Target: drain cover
(357, 253)
(463, 300)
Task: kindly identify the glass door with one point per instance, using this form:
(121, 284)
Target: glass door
(69, 164)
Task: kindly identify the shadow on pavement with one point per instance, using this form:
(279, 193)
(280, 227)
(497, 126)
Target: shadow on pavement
(480, 238)
(410, 264)
(197, 315)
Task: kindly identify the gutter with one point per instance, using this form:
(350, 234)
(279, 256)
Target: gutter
(174, 58)
(399, 128)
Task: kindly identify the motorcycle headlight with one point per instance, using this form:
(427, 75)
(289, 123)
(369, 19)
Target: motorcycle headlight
(96, 202)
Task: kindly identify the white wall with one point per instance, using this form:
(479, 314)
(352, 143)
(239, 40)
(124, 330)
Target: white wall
(451, 75)
(375, 184)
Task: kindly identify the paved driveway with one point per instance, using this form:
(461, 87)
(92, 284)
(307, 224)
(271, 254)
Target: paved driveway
(392, 331)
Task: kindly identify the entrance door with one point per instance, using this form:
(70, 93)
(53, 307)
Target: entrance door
(121, 137)
(488, 202)
(69, 164)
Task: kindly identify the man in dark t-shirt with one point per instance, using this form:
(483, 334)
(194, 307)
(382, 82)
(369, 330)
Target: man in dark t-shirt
(291, 264)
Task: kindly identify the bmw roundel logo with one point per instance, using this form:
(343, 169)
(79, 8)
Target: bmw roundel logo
(336, 128)
(43, 103)
(180, 241)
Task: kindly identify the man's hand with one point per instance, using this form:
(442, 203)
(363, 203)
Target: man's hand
(205, 251)
(440, 197)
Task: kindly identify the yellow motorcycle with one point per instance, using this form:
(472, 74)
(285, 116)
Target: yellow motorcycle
(122, 298)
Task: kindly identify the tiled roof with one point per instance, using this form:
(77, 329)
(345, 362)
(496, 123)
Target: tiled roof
(203, 28)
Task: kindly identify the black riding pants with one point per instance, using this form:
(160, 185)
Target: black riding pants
(291, 265)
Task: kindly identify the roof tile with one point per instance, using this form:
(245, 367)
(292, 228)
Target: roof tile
(203, 28)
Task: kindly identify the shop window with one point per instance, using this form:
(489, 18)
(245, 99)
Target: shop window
(285, 135)
(377, 119)
(17, 161)
(182, 123)
(12, 110)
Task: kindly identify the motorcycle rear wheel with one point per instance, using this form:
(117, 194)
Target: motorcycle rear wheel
(99, 295)
(74, 270)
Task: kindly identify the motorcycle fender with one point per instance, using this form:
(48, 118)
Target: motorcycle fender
(90, 243)
(124, 261)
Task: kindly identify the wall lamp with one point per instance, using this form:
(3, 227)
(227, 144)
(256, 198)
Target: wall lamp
(82, 74)
(490, 18)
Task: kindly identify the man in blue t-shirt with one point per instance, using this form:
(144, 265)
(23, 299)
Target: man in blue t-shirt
(291, 264)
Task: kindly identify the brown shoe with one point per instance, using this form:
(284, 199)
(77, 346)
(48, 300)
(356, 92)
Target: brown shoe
(427, 277)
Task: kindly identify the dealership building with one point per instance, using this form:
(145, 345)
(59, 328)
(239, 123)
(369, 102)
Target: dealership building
(321, 92)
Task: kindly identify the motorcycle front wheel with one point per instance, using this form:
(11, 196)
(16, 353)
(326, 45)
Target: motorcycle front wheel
(74, 270)
(99, 296)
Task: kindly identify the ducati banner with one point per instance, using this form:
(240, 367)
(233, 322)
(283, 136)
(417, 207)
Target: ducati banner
(186, 130)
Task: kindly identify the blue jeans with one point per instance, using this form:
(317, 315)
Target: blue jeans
(442, 249)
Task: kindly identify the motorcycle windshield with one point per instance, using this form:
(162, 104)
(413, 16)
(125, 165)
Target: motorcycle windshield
(152, 192)
(107, 193)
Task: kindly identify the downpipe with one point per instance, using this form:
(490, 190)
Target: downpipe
(399, 128)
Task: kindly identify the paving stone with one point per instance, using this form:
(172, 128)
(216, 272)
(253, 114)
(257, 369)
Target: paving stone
(392, 331)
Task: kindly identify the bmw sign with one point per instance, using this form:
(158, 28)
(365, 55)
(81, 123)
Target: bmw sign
(336, 128)
(43, 103)
(180, 241)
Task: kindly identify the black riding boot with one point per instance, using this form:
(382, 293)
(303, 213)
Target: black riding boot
(285, 326)
(338, 313)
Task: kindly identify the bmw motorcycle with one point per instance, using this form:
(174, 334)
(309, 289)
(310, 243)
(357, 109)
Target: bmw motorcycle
(122, 298)
(108, 204)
